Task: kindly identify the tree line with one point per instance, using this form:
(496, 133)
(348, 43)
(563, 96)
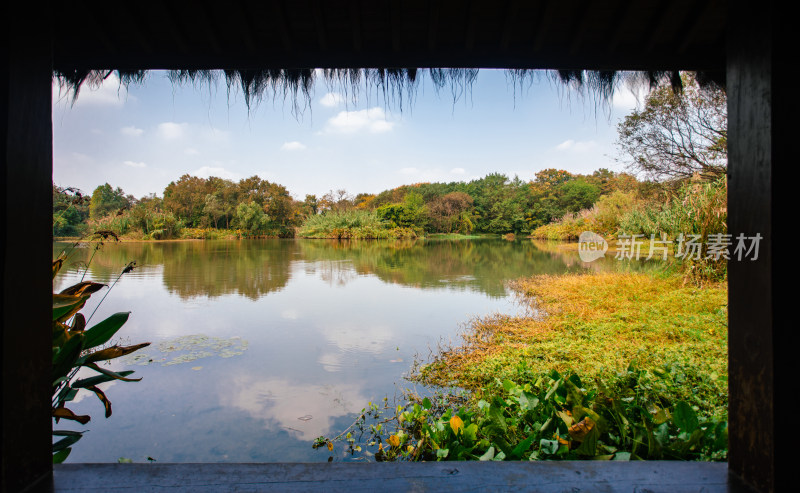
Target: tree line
(256, 207)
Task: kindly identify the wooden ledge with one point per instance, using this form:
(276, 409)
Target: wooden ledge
(651, 476)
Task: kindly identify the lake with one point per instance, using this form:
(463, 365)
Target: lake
(260, 346)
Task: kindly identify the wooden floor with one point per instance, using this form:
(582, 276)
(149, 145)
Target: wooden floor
(671, 477)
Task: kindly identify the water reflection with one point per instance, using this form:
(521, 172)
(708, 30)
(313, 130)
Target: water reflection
(305, 410)
(276, 342)
(255, 268)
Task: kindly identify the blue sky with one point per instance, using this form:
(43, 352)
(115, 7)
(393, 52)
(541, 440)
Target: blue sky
(151, 134)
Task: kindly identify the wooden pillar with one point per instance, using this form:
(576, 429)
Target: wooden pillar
(760, 125)
(26, 247)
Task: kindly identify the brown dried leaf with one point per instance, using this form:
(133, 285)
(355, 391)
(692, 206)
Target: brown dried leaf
(63, 412)
(578, 431)
(83, 288)
(103, 398)
(114, 352)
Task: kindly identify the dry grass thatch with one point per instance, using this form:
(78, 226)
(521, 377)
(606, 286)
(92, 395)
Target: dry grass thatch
(396, 87)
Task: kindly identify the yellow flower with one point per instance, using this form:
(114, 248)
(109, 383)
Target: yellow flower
(410, 448)
(394, 441)
(330, 446)
(456, 424)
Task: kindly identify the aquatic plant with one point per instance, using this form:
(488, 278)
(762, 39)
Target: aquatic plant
(76, 346)
(632, 416)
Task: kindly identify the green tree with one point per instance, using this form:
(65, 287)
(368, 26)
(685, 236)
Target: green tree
(311, 205)
(186, 198)
(450, 213)
(214, 208)
(250, 217)
(677, 134)
(576, 195)
(70, 211)
(106, 199)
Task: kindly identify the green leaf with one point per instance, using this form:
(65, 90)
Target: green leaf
(471, 432)
(67, 433)
(552, 390)
(721, 435)
(489, 455)
(65, 442)
(589, 445)
(527, 401)
(548, 446)
(105, 330)
(684, 417)
(61, 455)
(115, 376)
(66, 305)
(426, 403)
(67, 357)
(442, 453)
(522, 447)
(92, 381)
(622, 456)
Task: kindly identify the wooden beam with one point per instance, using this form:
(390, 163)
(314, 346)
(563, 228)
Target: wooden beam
(141, 31)
(26, 246)
(762, 134)
(618, 19)
(174, 27)
(472, 23)
(355, 21)
(540, 27)
(583, 21)
(433, 24)
(659, 22)
(509, 24)
(319, 23)
(342, 477)
(395, 24)
(695, 25)
(246, 27)
(279, 22)
(211, 29)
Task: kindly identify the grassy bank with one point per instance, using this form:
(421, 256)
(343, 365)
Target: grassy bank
(596, 325)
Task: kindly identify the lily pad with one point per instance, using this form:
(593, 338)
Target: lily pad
(189, 348)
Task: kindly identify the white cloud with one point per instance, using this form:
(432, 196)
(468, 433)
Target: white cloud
(172, 130)
(208, 171)
(331, 100)
(134, 164)
(306, 410)
(372, 120)
(576, 146)
(434, 174)
(292, 146)
(131, 131)
(627, 99)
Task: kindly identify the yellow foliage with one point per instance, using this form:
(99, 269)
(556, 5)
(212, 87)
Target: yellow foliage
(456, 424)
